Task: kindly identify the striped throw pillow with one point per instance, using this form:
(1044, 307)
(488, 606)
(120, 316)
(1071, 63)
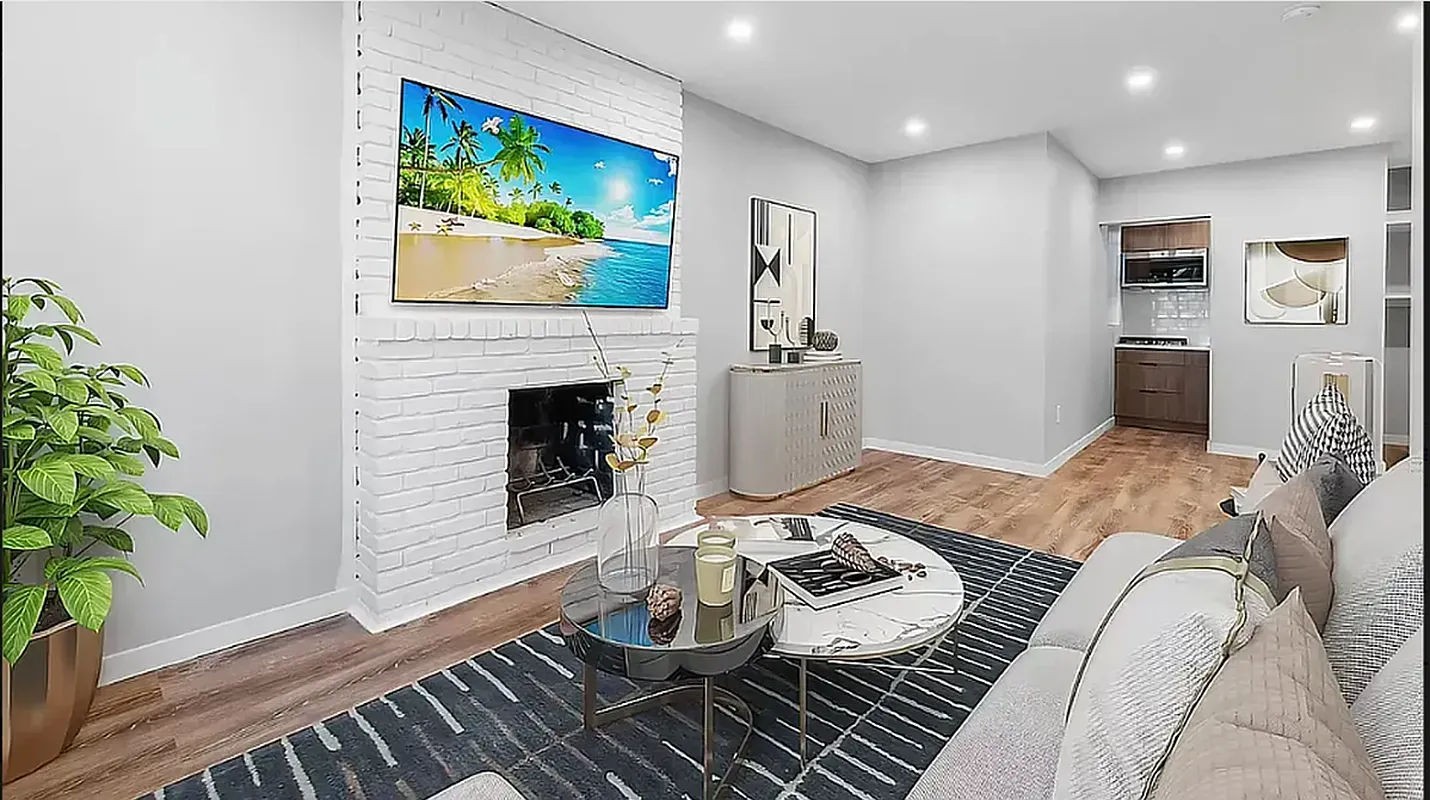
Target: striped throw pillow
(1326, 427)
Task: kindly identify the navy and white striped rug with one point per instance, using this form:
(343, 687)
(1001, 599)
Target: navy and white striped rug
(516, 710)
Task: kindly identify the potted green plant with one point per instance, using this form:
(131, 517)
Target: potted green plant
(72, 442)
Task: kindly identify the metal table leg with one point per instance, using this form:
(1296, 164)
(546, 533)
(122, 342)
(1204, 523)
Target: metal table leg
(803, 707)
(709, 695)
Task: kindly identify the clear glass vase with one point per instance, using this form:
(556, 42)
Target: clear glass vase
(628, 543)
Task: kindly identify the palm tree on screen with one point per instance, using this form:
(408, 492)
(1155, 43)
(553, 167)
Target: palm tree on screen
(441, 102)
(520, 153)
(464, 145)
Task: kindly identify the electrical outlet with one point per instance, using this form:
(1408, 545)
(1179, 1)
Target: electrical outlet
(1058, 414)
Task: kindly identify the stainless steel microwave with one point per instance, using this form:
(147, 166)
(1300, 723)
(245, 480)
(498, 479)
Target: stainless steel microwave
(1153, 269)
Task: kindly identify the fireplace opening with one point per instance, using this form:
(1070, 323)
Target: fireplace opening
(557, 443)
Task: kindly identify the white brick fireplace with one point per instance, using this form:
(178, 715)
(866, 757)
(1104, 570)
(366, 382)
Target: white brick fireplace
(429, 386)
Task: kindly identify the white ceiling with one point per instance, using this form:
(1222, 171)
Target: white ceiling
(1235, 82)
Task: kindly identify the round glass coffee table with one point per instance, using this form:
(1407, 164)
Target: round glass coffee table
(615, 633)
(920, 613)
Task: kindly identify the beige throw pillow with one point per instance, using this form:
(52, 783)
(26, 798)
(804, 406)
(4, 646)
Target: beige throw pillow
(1272, 725)
(1292, 514)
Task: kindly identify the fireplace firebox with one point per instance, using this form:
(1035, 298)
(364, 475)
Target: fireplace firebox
(557, 442)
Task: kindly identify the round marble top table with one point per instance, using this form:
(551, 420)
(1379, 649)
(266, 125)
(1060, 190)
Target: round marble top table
(920, 611)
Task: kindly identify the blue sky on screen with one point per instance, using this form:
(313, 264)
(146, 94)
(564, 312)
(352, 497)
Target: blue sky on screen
(630, 188)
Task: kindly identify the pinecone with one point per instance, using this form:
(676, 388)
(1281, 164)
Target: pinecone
(662, 631)
(663, 601)
(849, 552)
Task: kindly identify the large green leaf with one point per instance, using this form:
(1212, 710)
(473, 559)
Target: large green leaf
(125, 496)
(106, 562)
(91, 434)
(18, 305)
(114, 537)
(72, 389)
(26, 537)
(132, 373)
(53, 481)
(21, 613)
(39, 379)
(43, 355)
(125, 463)
(164, 446)
(169, 510)
(83, 333)
(144, 423)
(67, 305)
(21, 432)
(90, 465)
(87, 594)
(63, 421)
(196, 514)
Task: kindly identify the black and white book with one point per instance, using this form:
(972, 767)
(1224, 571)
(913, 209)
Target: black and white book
(820, 581)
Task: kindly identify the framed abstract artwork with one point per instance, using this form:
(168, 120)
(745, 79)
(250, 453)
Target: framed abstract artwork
(1296, 281)
(782, 255)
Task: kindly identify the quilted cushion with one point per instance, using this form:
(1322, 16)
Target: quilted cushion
(1378, 575)
(1327, 426)
(1154, 654)
(1390, 717)
(1298, 533)
(1272, 725)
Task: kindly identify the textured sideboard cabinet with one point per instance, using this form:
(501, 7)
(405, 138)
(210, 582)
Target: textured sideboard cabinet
(793, 425)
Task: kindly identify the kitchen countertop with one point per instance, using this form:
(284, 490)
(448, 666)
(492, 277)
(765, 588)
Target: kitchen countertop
(1205, 348)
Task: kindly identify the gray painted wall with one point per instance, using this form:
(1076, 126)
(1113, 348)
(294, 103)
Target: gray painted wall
(1334, 193)
(954, 298)
(1078, 361)
(727, 158)
(175, 167)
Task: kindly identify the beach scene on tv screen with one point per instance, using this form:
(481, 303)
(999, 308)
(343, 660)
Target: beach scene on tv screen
(501, 206)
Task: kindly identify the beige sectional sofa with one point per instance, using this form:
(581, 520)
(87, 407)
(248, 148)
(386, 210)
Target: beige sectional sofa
(1008, 747)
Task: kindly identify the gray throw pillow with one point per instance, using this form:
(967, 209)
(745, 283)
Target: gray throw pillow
(1336, 485)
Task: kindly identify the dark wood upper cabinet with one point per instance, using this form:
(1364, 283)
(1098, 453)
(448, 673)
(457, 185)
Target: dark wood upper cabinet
(1187, 235)
(1144, 237)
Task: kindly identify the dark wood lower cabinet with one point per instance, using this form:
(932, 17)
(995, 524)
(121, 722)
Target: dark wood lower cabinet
(1161, 388)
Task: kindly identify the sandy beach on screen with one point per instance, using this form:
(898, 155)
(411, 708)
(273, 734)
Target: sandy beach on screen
(480, 259)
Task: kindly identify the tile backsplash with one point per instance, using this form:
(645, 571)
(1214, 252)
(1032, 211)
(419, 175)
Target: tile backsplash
(1167, 312)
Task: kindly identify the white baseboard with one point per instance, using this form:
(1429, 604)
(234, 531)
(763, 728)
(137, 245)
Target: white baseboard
(712, 488)
(992, 462)
(1076, 447)
(1402, 439)
(138, 660)
(956, 457)
(376, 623)
(1240, 450)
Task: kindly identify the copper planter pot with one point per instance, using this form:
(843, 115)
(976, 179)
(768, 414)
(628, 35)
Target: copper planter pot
(47, 695)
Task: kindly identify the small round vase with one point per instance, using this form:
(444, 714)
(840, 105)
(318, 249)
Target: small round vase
(824, 341)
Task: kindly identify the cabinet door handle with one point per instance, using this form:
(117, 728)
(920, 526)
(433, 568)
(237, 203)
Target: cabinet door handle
(824, 418)
(1148, 364)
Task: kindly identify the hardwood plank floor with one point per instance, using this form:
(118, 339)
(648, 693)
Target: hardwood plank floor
(156, 728)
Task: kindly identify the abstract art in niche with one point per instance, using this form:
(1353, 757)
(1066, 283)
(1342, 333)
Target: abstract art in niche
(782, 251)
(501, 206)
(1296, 282)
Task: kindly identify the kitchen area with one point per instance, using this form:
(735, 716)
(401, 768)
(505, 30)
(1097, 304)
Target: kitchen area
(1162, 359)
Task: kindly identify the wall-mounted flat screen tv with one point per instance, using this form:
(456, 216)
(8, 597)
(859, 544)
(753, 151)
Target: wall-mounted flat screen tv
(503, 206)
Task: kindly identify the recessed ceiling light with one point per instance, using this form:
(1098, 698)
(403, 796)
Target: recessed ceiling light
(915, 126)
(1141, 79)
(1174, 150)
(1407, 22)
(1362, 123)
(1300, 11)
(740, 30)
